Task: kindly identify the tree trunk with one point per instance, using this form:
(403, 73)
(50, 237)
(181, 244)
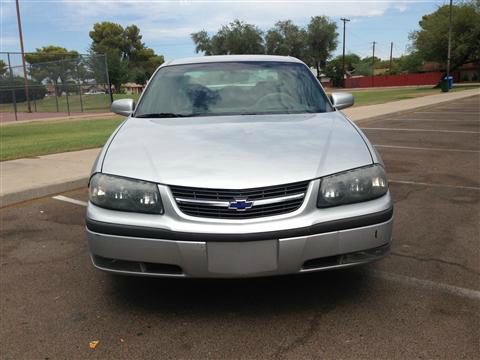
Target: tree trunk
(58, 91)
(317, 66)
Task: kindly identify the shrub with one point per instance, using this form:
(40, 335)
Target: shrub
(8, 87)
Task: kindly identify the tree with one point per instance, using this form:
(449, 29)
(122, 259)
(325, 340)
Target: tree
(14, 89)
(127, 56)
(53, 64)
(286, 38)
(409, 63)
(3, 67)
(432, 39)
(237, 37)
(322, 40)
(364, 66)
(333, 68)
(144, 65)
(202, 42)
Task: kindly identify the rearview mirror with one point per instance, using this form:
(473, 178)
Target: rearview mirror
(123, 107)
(342, 100)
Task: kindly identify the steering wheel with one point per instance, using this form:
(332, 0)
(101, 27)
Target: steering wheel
(277, 97)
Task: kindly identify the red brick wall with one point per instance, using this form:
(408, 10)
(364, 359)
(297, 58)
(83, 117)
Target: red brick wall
(430, 78)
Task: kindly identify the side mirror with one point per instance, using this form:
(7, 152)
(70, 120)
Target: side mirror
(342, 100)
(123, 107)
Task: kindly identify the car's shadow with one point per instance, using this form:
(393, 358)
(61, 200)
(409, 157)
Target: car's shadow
(323, 290)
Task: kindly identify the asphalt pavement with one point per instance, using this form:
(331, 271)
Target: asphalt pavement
(422, 301)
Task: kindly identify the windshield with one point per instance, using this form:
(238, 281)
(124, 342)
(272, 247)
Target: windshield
(232, 88)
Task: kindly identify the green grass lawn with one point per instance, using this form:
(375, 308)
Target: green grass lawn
(48, 137)
(90, 103)
(380, 96)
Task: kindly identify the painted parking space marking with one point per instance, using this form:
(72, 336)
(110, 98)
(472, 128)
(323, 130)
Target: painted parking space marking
(428, 285)
(447, 112)
(423, 148)
(70, 200)
(428, 119)
(459, 187)
(423, 130)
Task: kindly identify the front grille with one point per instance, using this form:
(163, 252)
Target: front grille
(291, 192)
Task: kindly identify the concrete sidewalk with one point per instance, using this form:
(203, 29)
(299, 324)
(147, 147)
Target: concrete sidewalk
(364, 112)
(26, 179)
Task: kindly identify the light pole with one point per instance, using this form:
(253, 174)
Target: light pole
(373, 64)
(343, 56)
(391, 58)
(449, 51)
(23, 56)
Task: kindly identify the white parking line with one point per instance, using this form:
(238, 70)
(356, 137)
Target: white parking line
(447, 112)
(424, 148)
(475, 188)
(70, 200)
(428, 285)
(435, 120)
(423, 130)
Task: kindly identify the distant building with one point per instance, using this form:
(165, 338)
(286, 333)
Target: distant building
(470, 72)
(133, 88)
(466, 72)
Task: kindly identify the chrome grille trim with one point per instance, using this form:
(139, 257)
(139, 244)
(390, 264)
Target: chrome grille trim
(203, 202)
(226, 204)
(217, 203)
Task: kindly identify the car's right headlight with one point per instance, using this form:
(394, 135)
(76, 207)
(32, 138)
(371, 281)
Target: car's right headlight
(352, 186)
(118, 193)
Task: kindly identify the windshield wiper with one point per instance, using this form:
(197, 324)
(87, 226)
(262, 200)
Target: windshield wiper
(163, 115)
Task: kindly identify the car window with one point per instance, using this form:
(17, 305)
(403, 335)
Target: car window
(233, 88)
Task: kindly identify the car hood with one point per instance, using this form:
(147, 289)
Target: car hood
(234, 152)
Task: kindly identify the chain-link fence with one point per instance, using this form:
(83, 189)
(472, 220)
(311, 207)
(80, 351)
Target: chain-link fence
(72, 85)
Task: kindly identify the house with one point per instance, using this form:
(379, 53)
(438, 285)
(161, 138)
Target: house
(466, 72)
(132, 88)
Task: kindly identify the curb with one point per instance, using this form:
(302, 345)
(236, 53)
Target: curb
(92, 116)
(42, 191)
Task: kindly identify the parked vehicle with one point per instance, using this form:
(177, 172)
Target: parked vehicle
(236, 166)
(95, 92)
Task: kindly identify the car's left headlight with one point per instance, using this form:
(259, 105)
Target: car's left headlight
(352, 186)
(118, 193)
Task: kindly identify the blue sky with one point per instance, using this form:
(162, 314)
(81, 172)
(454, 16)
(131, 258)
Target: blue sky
(166, 25)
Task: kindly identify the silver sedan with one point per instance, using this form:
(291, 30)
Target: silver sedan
(236, 166)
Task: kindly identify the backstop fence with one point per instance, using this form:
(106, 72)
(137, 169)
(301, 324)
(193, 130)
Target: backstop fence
(65, 86)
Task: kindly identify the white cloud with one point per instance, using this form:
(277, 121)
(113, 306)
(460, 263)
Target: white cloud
(166, 25)
(170, 20)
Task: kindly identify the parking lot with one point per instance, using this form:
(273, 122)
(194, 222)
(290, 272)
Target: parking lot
(422, 301)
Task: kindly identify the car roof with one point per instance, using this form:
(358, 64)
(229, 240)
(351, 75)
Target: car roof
(232, 58)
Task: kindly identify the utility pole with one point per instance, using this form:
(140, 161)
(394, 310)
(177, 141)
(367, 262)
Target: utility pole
(449, 39)
(391, 52)
(343, 56)
(373, 64)
(23, 56)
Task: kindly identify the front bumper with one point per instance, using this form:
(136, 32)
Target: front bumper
(177, 245)
(266, 255)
